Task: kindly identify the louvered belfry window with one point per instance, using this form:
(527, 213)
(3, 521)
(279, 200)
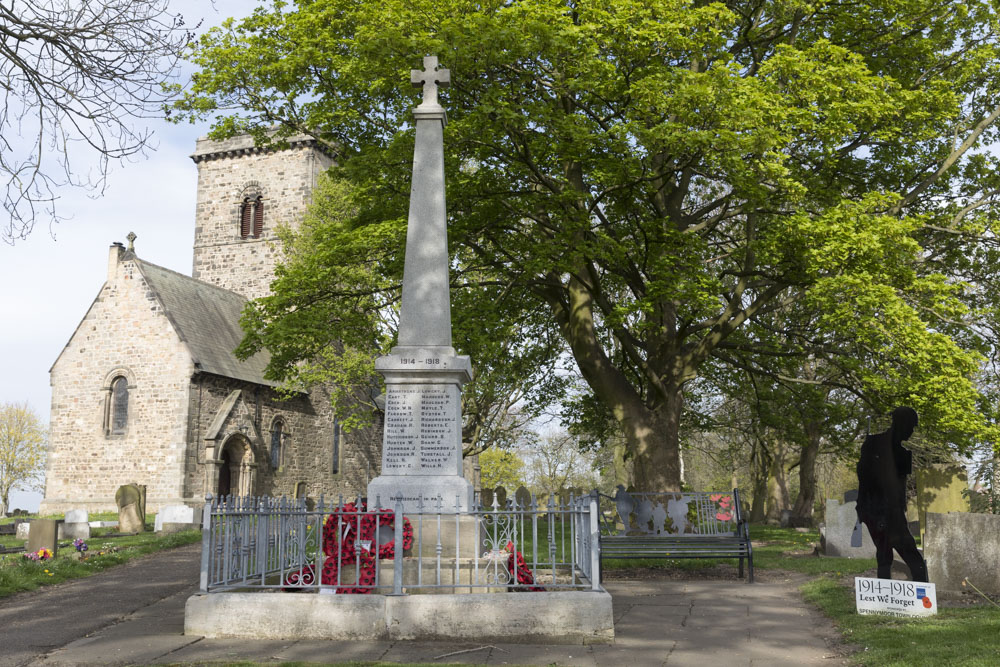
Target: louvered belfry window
(119, 405)
(252, 217)
(258, 217)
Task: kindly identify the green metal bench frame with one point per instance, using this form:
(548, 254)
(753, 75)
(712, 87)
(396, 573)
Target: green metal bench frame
(659, 525)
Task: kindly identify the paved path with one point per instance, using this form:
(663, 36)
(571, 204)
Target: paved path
(135, 615)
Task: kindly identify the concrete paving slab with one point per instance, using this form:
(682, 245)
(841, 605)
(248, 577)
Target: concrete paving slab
(534, 654)
(223, 650)
(329, 651)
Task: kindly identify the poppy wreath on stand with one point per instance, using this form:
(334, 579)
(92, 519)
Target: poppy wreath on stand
(342, 552)
(519, 570)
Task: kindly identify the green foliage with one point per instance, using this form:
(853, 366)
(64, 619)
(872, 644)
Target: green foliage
(955, 636)
(499, 467)
(660, 187)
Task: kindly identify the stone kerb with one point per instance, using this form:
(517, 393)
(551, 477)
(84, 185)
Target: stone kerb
(961, 545)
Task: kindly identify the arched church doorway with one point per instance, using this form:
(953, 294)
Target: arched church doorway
(237, 467)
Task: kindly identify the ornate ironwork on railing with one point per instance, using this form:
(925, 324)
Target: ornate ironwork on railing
(348, 547)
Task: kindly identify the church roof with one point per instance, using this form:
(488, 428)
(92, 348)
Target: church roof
(207, 319)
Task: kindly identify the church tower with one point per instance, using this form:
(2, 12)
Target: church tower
(244, 194)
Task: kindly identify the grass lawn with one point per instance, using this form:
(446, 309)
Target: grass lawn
(956, 636)
(17, 573)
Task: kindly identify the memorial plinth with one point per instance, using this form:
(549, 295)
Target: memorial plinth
(422, 437)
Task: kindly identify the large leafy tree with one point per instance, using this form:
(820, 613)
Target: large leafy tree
(669, 180)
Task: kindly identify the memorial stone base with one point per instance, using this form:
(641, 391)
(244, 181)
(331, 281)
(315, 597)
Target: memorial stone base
(577, 617)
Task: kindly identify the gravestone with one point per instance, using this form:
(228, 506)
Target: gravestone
(500, 493)
(941, 488)
(131, 500)
(43, 535)
(76, 526)
(486, 498)
(836, 537)
(422, 435)
(523, 497)
(961, 545)
(22, 530)
(175, 518)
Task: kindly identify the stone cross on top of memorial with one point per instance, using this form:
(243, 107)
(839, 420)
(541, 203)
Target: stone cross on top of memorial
(422, 437)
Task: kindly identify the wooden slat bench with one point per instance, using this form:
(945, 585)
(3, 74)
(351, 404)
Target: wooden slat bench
(698, 524)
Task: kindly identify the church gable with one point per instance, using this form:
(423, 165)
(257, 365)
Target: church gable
(119, 396)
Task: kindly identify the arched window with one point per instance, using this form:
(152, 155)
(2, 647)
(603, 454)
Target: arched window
(119, 405)
(277, 433)
(252, 217)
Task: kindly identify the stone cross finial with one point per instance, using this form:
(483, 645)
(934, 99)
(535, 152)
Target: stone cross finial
(429, 80)
(131, 241)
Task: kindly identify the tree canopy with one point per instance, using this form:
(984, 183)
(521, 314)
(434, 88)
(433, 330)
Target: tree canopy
(677, 189)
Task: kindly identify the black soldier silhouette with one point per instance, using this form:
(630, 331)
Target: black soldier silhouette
(882, 472)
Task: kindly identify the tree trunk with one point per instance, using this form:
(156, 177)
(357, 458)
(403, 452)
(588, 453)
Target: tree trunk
(759, 466)
(777, 487)
(653, 437)
(807, 473)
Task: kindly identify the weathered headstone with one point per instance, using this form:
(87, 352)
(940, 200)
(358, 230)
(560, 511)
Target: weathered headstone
(941, 488)
(77, 516)
(486, 498)
(131, 500)
(75, 526)
(961, 545)
(523, 497)
(422, 437)
(175, 518)
(43, 535)
(500, 493)
(840, 521)
(22, 530)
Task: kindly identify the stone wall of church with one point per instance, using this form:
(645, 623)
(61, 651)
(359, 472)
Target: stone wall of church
(229, 171)
(307, 448)
(124, 333)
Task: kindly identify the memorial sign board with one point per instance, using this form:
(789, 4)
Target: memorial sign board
(889, 597)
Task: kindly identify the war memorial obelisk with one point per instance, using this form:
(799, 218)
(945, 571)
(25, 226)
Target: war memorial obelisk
(422, 437)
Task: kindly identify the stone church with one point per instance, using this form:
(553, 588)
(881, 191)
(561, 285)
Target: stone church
(148, 390)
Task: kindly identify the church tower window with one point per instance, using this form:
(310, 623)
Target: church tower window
(252, 217)
(119, 405)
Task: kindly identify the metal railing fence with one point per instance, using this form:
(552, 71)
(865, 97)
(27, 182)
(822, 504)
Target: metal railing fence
(347, 547)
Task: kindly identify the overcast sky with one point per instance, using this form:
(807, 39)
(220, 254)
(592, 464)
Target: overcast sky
(48, 282)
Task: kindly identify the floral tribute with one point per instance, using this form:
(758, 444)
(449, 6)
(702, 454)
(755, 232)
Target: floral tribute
(80, 545)
(41, 554)
(520, 571)
(724, 505)
(343, 549)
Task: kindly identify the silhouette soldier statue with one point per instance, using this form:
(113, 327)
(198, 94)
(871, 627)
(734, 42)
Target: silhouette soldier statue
(882, 472)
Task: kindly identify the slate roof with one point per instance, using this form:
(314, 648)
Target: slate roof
(207, 319)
